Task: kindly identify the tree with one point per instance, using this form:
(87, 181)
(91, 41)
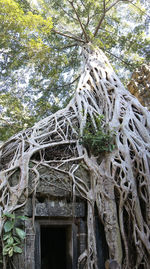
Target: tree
(140, 84)
(22, 33)
(47, 66)
(119, 176)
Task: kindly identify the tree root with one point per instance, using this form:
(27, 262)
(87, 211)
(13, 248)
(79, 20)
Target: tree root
(119, 184)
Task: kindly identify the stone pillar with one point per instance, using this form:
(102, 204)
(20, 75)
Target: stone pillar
(82, 238)
(29, 246)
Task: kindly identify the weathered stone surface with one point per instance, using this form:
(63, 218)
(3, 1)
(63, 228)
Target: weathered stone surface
(58, 190)
(60, 209)
(29, 262)
(28, 209)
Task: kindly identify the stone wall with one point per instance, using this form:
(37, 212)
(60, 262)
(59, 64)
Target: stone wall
(53, 205)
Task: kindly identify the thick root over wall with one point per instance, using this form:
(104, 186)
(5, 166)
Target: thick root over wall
(119, 180)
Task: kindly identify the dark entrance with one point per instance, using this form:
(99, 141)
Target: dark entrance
(53, 247)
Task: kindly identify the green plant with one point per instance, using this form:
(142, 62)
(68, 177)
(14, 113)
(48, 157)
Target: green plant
(97, 140)
(12, 235)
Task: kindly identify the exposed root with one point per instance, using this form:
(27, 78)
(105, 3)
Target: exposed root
(119, 184)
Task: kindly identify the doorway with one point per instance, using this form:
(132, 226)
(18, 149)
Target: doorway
(55, 242)
(53, 247)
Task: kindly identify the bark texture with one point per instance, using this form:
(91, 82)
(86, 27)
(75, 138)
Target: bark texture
(119, 180)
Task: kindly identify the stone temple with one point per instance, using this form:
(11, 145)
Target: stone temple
(59, 235)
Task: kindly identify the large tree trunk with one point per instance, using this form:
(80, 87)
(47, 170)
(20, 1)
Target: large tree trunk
(120, 182)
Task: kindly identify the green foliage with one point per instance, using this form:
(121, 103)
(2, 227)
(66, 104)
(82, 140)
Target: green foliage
(23, 40)
(15, 116)
(12, 235)
(14, 20)
(99, 140)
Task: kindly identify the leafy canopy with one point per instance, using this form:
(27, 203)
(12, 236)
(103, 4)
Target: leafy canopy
(16, 24)
(22, 38)
(40, 51)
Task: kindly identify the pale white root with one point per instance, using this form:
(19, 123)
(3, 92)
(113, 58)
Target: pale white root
(119, 183)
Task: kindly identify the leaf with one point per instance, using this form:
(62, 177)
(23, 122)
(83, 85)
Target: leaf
(5, 250)
(8, 226)
(10, 241)
(17, 239)
(8, 215)
(6, 236)
(22, 217)
(20, 233)
(10, 252)
(17, 249)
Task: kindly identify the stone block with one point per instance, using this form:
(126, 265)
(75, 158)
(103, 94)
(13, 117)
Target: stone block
(59, 209)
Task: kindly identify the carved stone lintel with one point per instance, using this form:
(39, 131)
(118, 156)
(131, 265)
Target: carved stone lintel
(60, 209)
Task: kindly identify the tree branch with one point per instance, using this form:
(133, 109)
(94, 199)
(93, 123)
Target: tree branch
(143, 12)
(88, 15)
(112, 5)
(65, 85)
(66, 35)
(82, 27)
(104, 13)
(104, 5)
(67, 13)
(127, 63)
(99, 24)
(88, 20)
(69, 46)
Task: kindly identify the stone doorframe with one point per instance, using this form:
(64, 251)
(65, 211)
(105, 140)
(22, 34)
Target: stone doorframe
(54, 213)
(71, 240)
